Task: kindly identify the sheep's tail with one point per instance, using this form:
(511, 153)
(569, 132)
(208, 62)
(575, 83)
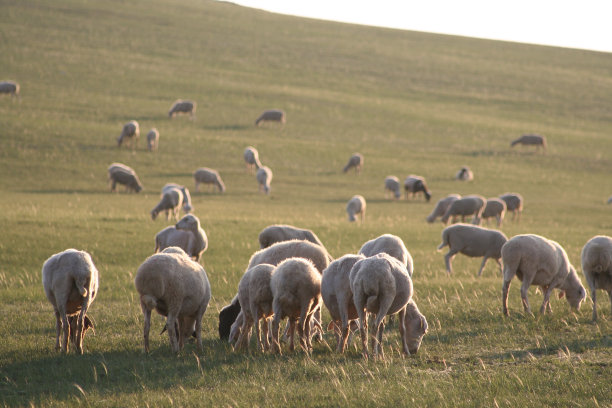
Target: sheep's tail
(80, 284)
(149, 301)
(444, 240)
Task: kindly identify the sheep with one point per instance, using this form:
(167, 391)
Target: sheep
(391, 245)
(255, 293)
(271, 115)
(187, 234)
(514, 204)
(171, 201)
(609, 200)
(464, 174)
(472, 241)
(356, 206)
(468, 205)
(543, 262)
(264, 178)
(392, 185)
(10, 88)
(251, 158)
(415, 184)
(495, 207)
(415, 325)
(153, 139)
(187, 208)
(356, 162)
(119, 173)
(208, 176)
(531, 140)
(176, 287)
(183, 106)
(596, 259)
(296, 291)
(228, 320)
(441, 207)
(70, 281)
(131, 130)
(279, 233)
(380, 284)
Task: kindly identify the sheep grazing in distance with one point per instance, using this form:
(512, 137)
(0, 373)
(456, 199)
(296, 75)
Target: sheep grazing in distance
(187, 234)
(10, 88)
(119, 173)
(415, 325)
(356, 206)
(296, 291)
(187, 208)
(176, 287)
(354, 162)
(416, 184)
(131, 131)
(183, 106)
(391, 245)
(495, 207)
(70, 280)
(472, 241)
(204, 175)
(153, 140)
(271, 115)
(469, 205)
(464, 174)
(392, 185)
(381, 285)
(279, 233)
(514, 204)
(531, 140)
(543, 262)
(597, 267)
(251, 158)
(441, 207)
(264, 178)
(171, 201)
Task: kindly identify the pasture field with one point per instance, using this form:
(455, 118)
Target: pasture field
(412, 103)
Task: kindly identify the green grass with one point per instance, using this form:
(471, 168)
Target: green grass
(412, 103)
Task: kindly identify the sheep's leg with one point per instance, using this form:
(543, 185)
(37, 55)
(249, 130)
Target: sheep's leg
(505, 289)
(276, 326)
(66, 331)
(524, 288)
(377, 339)
(482, 265)
(344, 330)
(171, 322)
(243, 339)
(363, 331)
(610, 296)
(500, 265)
(448, 259)
(58, 329)
(402, 330)
(317, 318)
(147, 326)
(547, 290)
(292, 323)
(307, 332)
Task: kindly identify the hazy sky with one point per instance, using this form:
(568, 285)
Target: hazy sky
(574, 24)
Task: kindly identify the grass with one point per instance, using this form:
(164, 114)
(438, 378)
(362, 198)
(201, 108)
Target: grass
(412, 103)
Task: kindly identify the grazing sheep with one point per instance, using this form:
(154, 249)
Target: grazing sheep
(131, 131)
(70, 280)
(597, 267)
(495, 207)
(171, 201)
(279, 233)
(187, 234)
(271, 115)
(380, 285)
(416, 184)
(392, 185)
(415, 325)
(183, 106)
(356, 162)
(468, 205)
(472, 241)
(153, 139)
(119, 173)
(10, 88)
(514, 204)
(228, 319)
(356, 206)
(543, 262)
(264, 178)
(464, 174)
(531, 140)
(187, 208)
(296, 289)
(176, 287)
(251, 158)
(441, 207)
(208, 176)
(391, 245)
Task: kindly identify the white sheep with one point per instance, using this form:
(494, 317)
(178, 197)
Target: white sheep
(441, 207)
(354, 162)
(391, 245)
(531, 140)
(472, 241)
(279, 233)
(176, 287)
(183, 106)
(204, 175)
(381, 285)
(415, 325)
(264, 178)
(271, 115)
(543, 262)
(153, 139)
(10, 88)
(70, 280)
(469, 205)
(296, 291)
(187, 208)
(131, 130)
(597, 267)
(356, 206)
(392, 185)
(464, 174)
(251, 158)
(171, 201)
(187, 234)
(416, 184)
(514, 204)
(495, 207)
(119, 173)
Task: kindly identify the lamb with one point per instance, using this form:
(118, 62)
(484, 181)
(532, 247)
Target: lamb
(391, 245)
(187, 234)
(464, 174)
(153, 139)
(208, 176)
(441, 207)
(356, 206)
(416, 184)
(392, 184)
(468, 205)
(171, 201)
(183, 106)
(296, 291)
(251, 158)
(415, 325)
(130, 130)
(381, 285)
(514, 204)
(495, 207)
(187, 208)
(264, 178)
(70, 280)
(119, 173)
(271, 115)
(597, 267)
(356, 162)
(279, 233)
(10, 88)
(176, 287)
(543, 262)
(531, 140)
(472, 241)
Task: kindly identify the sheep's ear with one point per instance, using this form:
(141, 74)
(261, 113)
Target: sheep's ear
(561, 294)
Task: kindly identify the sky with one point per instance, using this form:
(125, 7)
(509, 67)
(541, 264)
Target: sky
(584, 24)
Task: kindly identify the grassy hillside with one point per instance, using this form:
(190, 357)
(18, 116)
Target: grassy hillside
(412, 103)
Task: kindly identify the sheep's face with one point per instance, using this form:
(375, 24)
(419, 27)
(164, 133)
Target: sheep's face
(575, 293)
(416, 328)
(153, 215)
(188, 222)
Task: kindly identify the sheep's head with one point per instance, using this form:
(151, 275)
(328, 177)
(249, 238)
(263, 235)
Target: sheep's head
(154, 214)
(227, 316)
(573, 290)
(188, 222)
(416, 327)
